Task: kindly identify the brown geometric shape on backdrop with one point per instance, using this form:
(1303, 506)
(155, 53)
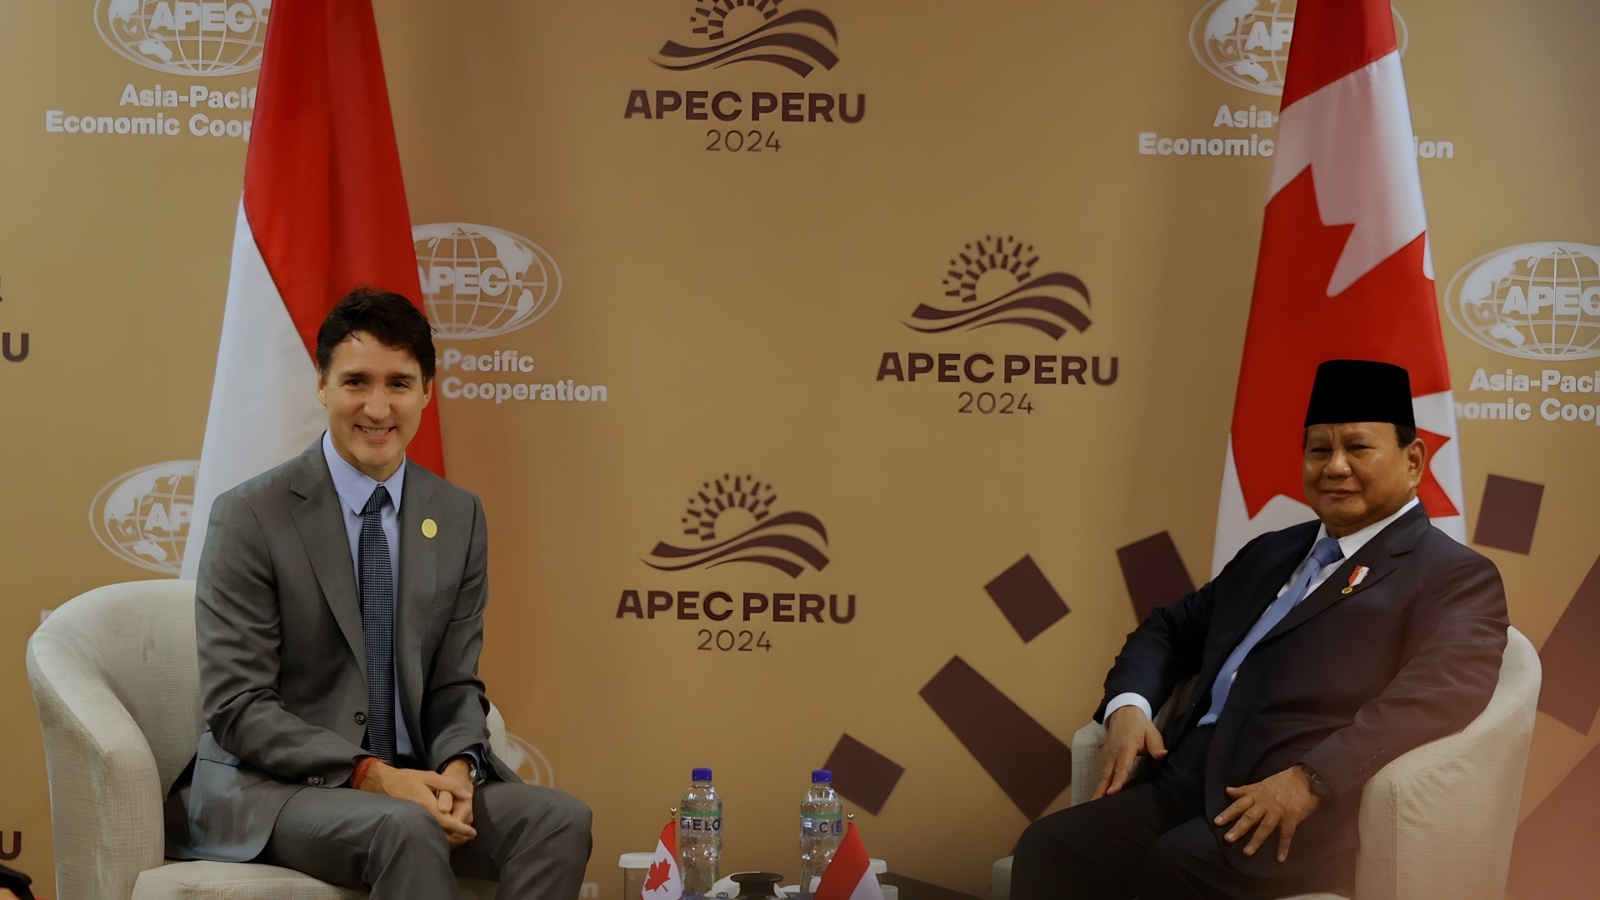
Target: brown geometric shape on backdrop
(1571, 691)
(912, 889)
(1027, 599)
(1154, 573)
(862, 775)
(1029, 763)
(1553, 855)
(1508, 513)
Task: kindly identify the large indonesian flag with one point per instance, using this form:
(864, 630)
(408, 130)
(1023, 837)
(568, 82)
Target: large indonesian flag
(323, 210)
(1344, 271)
(849, 876)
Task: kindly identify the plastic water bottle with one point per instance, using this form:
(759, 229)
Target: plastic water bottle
(699, 835)
(821, 828)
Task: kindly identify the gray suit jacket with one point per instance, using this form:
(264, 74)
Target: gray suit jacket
(282, 661)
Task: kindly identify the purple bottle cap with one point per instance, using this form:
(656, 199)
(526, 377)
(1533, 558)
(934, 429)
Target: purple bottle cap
(700, 775)
(822, 776)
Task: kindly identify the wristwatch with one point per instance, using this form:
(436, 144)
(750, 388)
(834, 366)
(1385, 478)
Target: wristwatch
(475, 775)
(1319, 786)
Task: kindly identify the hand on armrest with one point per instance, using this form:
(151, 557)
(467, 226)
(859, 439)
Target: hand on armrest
(1129, 735)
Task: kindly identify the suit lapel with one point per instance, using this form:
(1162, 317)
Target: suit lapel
(418, 575)
(1264, 590)
(1259, 587)
(1379, 556)
(320, 522)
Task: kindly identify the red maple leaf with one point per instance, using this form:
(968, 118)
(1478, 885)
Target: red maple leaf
(1389, 314)
(657, 876)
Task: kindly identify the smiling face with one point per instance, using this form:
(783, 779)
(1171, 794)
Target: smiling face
(375, 395)
(1356, 473)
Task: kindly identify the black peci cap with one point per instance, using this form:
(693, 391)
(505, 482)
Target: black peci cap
(1360, 390)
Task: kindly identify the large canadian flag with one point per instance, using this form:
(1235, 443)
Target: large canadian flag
(1344, 271)
(323, 210)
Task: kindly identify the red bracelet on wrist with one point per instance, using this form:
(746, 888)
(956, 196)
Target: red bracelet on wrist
(360, 773)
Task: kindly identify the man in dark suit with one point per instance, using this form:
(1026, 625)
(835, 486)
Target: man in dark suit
(1319, 653)
(346, 733)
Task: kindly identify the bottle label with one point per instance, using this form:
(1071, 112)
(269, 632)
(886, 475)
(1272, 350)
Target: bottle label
(822, 824)
(700, 822)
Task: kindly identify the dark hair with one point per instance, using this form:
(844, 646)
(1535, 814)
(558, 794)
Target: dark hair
(1404, 434)
(391, 318)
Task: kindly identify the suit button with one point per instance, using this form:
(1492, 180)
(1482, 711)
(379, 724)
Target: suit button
(314, 781)
(361, 718)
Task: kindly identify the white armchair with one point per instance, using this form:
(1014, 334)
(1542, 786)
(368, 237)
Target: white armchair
(116, 680)
(1436, 823)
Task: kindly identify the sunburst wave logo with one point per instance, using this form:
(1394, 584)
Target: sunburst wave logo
(735, 518)
(735, 31)
(992, 282)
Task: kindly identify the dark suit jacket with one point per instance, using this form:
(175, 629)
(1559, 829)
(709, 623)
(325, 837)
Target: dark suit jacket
(282, 658)
(1345, 683)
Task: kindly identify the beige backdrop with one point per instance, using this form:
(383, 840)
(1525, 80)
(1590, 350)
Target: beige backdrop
(727, 314)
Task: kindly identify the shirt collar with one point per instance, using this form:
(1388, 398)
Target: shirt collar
(1350, 543)
(354, 486)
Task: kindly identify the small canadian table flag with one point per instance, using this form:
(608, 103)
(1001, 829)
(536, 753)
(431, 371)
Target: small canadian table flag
(664, 881)
(849, 876)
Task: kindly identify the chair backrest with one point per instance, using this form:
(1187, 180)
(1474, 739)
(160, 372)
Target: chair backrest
(136, 641)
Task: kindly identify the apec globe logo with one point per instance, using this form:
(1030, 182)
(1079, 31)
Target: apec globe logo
(142, 516)
(479, 281)
(1535, 301)
(1246, 42)
(530, 764)
(182, 37)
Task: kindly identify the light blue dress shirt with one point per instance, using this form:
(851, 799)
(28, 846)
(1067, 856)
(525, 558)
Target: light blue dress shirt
(355, 488)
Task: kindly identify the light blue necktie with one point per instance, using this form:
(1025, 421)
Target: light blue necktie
(1326, 552)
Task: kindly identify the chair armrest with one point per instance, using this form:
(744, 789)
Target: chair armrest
(105, 787)
(1000, 879)
(1438, 822)
(498, 745)
(1086, 746)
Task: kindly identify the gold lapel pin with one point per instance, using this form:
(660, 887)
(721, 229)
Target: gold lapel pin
(429, 528)
(1347, 590)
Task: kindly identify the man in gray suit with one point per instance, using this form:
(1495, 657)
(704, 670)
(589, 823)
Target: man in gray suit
(346, 733)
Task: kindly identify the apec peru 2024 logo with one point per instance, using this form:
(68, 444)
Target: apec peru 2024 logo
(723, 58)
(997, 295)
(733, 532)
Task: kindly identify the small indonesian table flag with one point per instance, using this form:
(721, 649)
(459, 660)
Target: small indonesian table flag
(849, 876)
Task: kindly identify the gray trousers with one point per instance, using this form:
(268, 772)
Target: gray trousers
(535, 841)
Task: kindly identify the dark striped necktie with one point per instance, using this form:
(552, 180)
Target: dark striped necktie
(377, 626)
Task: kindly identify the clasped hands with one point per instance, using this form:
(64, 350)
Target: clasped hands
(1277, 803)
(447, 795)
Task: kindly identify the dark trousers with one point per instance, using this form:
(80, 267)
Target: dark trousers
(1150, 840)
